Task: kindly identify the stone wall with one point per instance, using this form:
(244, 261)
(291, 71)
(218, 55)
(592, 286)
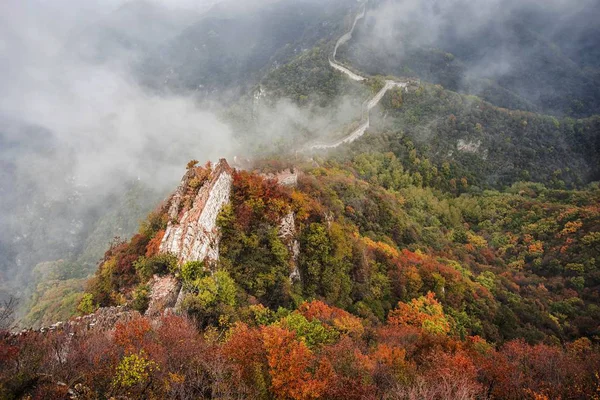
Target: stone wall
(194, 236)
(287, 233)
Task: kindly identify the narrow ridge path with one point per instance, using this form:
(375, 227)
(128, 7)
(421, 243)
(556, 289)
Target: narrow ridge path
(368, 104)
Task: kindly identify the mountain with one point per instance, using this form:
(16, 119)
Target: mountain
(518, 55)
(133, 30)
(230, 47)
(392, 237)
(318, 262)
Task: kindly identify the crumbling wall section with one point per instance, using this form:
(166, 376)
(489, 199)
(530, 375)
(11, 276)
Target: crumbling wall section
(195, 236)
(287, 233)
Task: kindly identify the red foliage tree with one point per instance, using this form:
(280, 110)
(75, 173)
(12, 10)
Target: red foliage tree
(290, 362)
(245, 349)
(351, 372)
(154, 244)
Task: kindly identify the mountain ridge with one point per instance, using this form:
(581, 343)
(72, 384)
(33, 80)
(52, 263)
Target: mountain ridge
(377, 269)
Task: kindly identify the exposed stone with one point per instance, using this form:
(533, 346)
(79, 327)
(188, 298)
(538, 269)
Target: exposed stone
(179, 301)
(177, 197)
(287, 227)
(287, 177)
(103, 319)
(81, 391)
(287, 232)
(163, 294)
(329, 218)
(295, 274)
(195, 236)
(468, 146)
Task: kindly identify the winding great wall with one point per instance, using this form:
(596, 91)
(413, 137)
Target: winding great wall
(344, 39)
(368, 104)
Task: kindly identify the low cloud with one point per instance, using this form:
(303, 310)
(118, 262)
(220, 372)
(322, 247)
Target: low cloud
(70, 122)
(394, 24)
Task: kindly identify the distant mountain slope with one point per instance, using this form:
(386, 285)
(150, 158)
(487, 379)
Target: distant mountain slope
(227, 48)
(494, 146)
(130, 32)
(522, 56)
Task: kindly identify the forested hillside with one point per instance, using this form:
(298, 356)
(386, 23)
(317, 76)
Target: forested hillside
(495, 147)
(414, 216)
(400, 277)
(230, 48)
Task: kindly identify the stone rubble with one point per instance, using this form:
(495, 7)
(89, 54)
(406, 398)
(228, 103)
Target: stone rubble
(287, 177)
(163, 294)
(103, 319)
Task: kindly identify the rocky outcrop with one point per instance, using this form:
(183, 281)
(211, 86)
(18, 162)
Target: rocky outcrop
(287, 227)
(164, 291)
(194, 236)
(177, 197)
(286, 177)
(287, 233)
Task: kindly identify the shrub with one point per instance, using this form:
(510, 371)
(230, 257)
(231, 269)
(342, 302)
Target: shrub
(133, 370)
(313, 332)
(158, 264)
(141, 298)
(191, 271)
(86, 305)
(211, 298)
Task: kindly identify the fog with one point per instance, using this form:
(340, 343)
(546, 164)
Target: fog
(97, 111)
(435, 23)
(491, 42)
(76, 127)
(79, 129)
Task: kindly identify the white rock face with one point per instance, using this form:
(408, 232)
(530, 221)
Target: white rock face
(287, 232)
(195, 236)
(287, 227)
(178, 197)
(295, 274)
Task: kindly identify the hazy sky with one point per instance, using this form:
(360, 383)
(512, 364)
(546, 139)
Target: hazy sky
(95, 107)
(73, 119)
